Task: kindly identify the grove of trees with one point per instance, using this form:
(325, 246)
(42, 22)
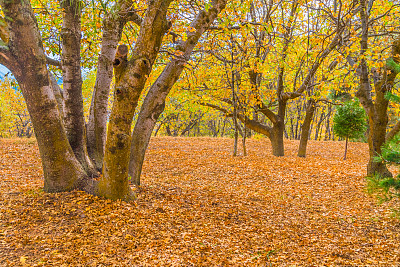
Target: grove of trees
(99, 78)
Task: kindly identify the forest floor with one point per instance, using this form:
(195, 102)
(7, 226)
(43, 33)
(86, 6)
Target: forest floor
(199, 206)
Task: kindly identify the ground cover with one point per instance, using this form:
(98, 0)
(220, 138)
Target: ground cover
(199, 206)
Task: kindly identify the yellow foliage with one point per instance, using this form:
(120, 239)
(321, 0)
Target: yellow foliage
(14, 117)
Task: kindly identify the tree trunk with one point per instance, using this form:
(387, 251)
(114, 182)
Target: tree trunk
(276, 139)
(113, 26)
(130, 79)
(234, 118)
(72, 82)
(25, 58)
(244, 139)
(278, 128)
(378, 120)
(154, 102)
(223, 128)
(376, 110)
(58, 93)
(345, 148)
(305, 129)
(318, 127)
(327, 125)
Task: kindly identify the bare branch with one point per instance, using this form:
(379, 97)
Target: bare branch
(53, 62)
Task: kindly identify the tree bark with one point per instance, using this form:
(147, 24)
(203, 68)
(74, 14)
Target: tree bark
(25, 58)
(318, 126)
(276, 139)
(345, 148)
(376, 110)
(130, 78)
(113, 25)
(234, 117)
(305, 129)
(58, 93)
(244, 136)
(72, 82)
(154, 102)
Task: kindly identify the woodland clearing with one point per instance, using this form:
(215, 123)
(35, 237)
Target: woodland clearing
(199, 206)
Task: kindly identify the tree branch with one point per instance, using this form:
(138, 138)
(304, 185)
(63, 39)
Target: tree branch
(317, 63)
(53, 62)
(393, 131)
(251, 124)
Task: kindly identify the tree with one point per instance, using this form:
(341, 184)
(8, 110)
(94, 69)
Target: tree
(376, 71)
(63, 147)
(305, 128)
(284, 59)
(349, 122)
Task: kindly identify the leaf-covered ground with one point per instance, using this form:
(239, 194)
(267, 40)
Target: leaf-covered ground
(199, 206)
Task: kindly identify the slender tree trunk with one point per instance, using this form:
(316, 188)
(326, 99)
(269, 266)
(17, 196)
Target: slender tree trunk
(305, 129)
(286, 134)
(158, 128)
(72, 82)
(234, 118)
(244, 139)
(318, 127)
(327, 125)
(223, 128)
(292, 129)
(345, 148)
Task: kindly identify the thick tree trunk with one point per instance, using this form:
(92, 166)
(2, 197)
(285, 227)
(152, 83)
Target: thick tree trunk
(97, 124)
(376, 110)
(378, 120)
(154, 102)
(305, 129)
(130, 77)
(276, 139)
(278, 128)
(72, 83)
(25, 58)
(113, 26)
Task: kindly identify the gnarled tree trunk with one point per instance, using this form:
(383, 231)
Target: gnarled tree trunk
(25, 57)
(376, 110)
(130, 78)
